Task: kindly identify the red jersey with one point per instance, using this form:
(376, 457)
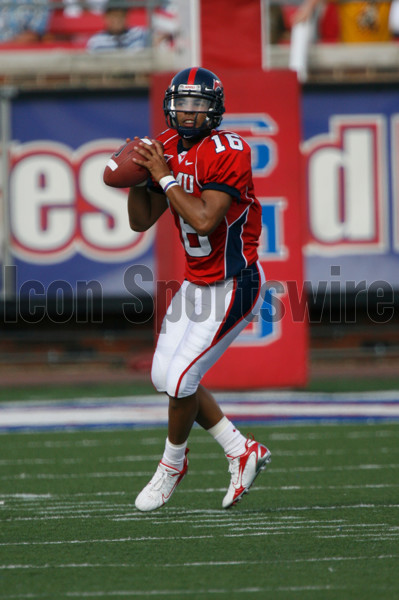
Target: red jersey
(221, 161)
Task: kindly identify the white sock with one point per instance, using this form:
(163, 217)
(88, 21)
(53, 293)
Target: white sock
(174, 454)
(229, 437)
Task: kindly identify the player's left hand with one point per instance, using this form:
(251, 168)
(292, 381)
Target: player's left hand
(153, 159)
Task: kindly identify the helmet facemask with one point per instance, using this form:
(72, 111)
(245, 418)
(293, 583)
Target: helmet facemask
(191, 105)
(202, 96)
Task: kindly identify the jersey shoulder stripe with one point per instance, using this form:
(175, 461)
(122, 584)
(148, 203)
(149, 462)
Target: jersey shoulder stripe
(167, 136)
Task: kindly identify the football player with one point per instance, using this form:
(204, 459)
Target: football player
(203, 176)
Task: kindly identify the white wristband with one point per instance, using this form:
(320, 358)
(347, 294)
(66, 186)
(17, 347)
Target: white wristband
(167, 182)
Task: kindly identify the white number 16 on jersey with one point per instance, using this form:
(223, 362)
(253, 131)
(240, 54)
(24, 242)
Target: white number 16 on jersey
(234, 140)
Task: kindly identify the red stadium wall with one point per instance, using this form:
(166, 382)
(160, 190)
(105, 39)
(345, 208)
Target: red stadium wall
(263, 107)
(231, 34)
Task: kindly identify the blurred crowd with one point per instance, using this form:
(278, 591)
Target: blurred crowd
(95, 24)
(344, 21)
(110, 24)
(332, 21)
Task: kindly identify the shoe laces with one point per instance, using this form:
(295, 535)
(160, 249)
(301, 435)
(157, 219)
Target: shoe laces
(161, 476)
(234, 466)
(234, 462)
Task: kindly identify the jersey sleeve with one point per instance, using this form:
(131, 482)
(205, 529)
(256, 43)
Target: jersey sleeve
(164, 138)
(226, 164)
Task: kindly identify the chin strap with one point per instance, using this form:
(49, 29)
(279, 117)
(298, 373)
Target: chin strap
(191, 133)
(198, 135)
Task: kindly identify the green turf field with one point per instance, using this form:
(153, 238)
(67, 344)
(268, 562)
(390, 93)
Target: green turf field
(321, 523)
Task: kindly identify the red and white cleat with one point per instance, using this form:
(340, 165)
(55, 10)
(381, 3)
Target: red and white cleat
(161, 487)
(244, 469)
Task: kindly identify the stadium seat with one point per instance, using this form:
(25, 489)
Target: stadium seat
(77, 29)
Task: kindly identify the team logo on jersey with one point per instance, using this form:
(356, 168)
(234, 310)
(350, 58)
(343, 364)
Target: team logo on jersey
(181, 157)
(186, 182)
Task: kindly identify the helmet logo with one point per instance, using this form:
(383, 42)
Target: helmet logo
(185, 87)
(217, 84)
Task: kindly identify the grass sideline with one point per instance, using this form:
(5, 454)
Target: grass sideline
(321, 522)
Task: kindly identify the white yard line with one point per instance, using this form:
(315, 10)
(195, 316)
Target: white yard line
(198, 472)
(173, 593)
(263, 530)
(197, 564)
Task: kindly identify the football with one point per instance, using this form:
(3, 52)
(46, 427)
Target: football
(120, 171)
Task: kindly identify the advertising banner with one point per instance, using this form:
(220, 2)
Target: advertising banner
(264, 109)
(66, 225)
(69, 232)
(351, 150)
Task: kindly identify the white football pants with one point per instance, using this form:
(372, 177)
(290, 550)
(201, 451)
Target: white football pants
(200, 323)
